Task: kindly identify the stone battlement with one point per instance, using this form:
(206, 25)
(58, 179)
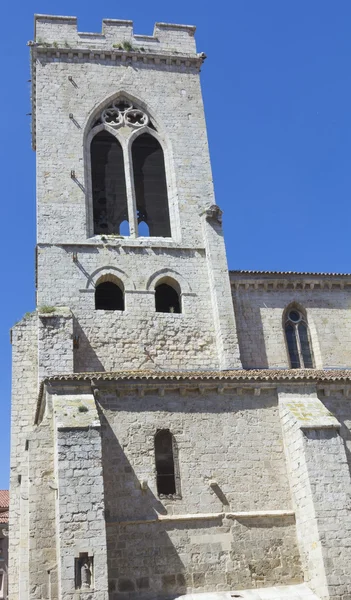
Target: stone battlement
(60, 31)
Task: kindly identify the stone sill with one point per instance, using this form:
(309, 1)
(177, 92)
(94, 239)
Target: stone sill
(254, 514)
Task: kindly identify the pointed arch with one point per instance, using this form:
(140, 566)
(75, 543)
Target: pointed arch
(164, 211)
(125, 95)
(108, 183)
(150, 183)
(297, 337)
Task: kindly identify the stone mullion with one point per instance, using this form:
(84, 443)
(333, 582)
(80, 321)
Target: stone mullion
(131, 202)
(298, 344)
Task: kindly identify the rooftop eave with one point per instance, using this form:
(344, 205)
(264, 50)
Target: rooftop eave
(278, 280)
(265, 378)
(274, 274)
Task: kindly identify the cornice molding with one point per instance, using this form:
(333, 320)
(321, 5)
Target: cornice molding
(288, 280)
(176, 61)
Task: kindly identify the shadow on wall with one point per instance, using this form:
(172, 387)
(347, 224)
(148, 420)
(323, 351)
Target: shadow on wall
(84, 354)
(142, 560)
(165, 559)
(250, 336)
(341, 409)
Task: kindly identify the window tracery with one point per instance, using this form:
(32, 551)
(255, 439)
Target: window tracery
(298, 340)
(128, 201)
(121, 113)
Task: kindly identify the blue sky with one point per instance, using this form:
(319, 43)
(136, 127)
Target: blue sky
(277, 95)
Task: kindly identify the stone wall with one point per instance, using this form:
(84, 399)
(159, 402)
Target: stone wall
(24, 395)
(42, 559)
(80, 515)
(259, 305)
(172, 97)
(70, 256)
(166, 559)
(230, 461)
(320, 484)
(137, 337)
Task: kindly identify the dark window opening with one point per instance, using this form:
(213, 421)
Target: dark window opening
(167, 299)
(305, 346)
(292, 346)
(165, 472)
(108, 184)
(298, 341)
(150, 185)
(109, 296)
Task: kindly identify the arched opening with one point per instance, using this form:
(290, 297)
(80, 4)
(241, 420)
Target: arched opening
(124, 228)
(298, 339)
(108, 184)
(143, 229)
(150, 185)
(167, 298)
(109, 296)
(165, 464)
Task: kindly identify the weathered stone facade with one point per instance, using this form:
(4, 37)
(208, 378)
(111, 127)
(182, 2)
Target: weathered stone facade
(260, 450)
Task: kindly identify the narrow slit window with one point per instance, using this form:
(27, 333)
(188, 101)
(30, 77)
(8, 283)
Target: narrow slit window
(167, 299)
(165, 468)
(109, 296)
(108, 184)
(298, 340)
(150, 185)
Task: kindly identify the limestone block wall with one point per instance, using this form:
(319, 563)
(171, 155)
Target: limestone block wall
(166, 36)
(80, 518)
(76, 76)
(42, 557)
(205, 555)
(171, 95)
(260, 302)
(137, 337)
(230, 458)
(24, 395)
(55, 341)
(339, 405)
(321, 488)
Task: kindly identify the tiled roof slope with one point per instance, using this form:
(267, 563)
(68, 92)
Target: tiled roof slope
(4, 506)
(4, 499)
(259, 375)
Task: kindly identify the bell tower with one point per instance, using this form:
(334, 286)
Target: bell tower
(129, 236)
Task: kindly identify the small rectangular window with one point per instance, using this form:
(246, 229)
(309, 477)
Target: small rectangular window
(165, 463)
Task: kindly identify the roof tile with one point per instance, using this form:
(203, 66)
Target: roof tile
(4, 499)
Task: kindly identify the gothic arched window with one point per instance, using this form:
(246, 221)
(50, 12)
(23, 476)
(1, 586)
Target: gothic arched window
(167, 297)
(109, 296)
(298, 339)
(116, 209)
(166, 463)
(150, 185)
(108, 184)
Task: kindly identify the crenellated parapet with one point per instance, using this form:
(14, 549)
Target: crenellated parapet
(117, 34)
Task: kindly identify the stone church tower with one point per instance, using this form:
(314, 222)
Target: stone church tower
(176, 427)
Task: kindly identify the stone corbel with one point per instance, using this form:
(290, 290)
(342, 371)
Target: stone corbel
(213, 213)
